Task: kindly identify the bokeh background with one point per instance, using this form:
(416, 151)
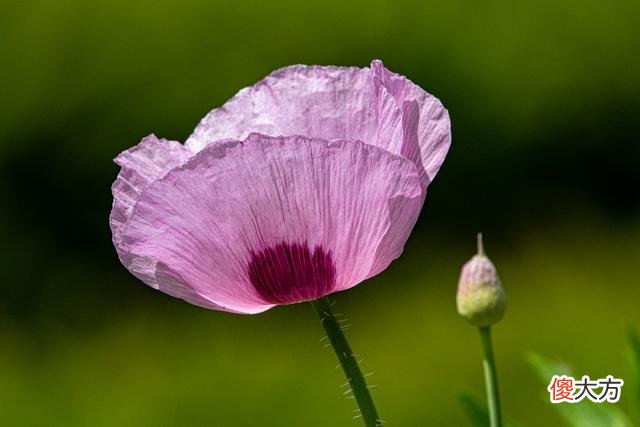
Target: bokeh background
(545, 104)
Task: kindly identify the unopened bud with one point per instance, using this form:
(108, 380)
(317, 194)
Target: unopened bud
(481, 299)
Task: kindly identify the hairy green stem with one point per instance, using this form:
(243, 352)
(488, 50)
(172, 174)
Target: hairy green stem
(349, 364)
(490, 377)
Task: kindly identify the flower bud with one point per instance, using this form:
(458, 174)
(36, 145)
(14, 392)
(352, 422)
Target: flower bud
(480, 299)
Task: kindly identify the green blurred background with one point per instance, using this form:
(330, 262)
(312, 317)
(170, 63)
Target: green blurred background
(544, 98)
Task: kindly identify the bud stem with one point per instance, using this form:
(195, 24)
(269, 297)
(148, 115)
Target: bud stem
(490, 375)
(349, 364)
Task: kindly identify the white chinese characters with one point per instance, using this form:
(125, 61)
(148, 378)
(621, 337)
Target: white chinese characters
(568, 389)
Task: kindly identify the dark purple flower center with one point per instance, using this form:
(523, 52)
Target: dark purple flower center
(289, 272)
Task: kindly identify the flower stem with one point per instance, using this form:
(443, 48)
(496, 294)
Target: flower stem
(349, 364)
(490, 377)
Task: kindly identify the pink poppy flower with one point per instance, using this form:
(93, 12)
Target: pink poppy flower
(305, 184)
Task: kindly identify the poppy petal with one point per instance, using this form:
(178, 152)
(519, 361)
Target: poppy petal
(426, 123)
(373, 105)
(267, 221)
(142, 165)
